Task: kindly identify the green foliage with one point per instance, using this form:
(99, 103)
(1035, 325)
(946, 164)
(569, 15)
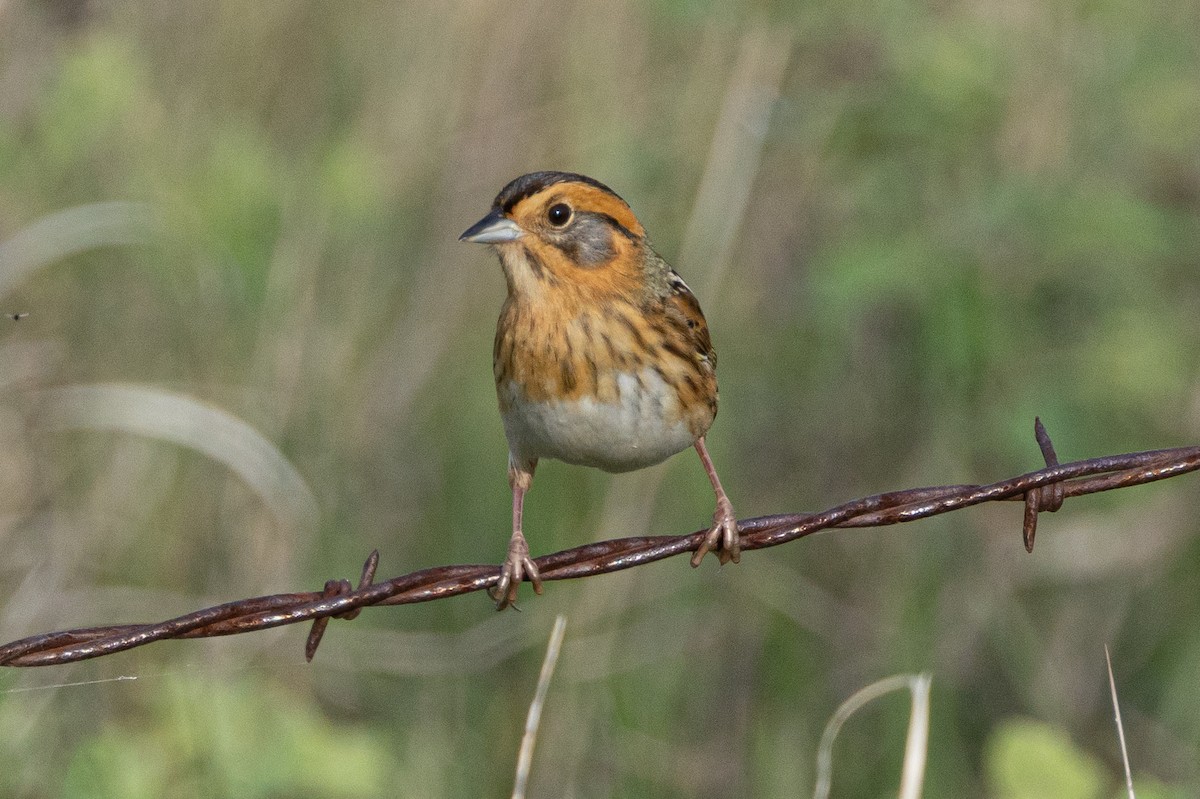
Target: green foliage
(236, 738)
(1027, 759)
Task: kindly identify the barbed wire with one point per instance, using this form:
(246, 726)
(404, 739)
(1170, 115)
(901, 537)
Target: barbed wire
(1042, 490)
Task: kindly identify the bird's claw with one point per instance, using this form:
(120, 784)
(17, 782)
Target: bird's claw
(517, 567)
(722, 538)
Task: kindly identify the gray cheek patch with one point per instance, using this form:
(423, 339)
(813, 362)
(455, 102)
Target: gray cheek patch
(588, 241)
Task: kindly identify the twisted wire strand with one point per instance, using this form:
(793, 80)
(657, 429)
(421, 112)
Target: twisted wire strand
(1042, 490)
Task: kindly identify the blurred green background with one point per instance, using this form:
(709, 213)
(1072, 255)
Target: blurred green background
(255, 351)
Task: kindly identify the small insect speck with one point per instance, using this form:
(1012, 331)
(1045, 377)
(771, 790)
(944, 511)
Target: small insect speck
(17, 317)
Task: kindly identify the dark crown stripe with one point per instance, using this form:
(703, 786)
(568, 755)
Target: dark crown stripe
(528, 185)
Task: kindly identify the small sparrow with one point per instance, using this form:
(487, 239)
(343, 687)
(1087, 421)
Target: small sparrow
(602, 355)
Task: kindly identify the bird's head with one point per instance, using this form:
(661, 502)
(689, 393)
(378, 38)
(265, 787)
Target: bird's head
(563, 233)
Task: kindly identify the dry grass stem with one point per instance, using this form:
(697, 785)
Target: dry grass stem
(525, 755)
(913, 774)
(1112, 685)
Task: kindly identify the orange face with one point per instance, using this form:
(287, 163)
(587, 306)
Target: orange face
(565, 240)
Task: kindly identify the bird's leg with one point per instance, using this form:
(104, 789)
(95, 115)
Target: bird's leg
(722, 537)
(517, 566)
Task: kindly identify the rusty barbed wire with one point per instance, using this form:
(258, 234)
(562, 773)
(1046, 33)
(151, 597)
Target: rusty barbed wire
(1042, 490)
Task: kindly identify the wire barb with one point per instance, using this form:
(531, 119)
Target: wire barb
(335, 588)
(1047, 498)
(1048, 488)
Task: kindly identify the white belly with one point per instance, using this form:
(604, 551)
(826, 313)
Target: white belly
(643, 427)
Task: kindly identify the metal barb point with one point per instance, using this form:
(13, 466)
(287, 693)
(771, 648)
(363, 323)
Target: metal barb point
(1048, 497)
(336, 588)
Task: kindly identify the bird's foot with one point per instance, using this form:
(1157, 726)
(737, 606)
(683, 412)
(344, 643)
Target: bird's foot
(722, 538)
(517, 567)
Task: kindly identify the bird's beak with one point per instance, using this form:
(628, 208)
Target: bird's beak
(495, 228)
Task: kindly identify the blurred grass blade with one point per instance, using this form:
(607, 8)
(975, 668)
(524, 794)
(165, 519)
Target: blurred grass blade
(534, 718)
(58, 235)
(153, 412)
(734, 154)
(916, 747)
(1112, 686)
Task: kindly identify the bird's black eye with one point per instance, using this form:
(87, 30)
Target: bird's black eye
(559, 214)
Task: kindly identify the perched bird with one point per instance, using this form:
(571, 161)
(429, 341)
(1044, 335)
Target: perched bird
(602, 356)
